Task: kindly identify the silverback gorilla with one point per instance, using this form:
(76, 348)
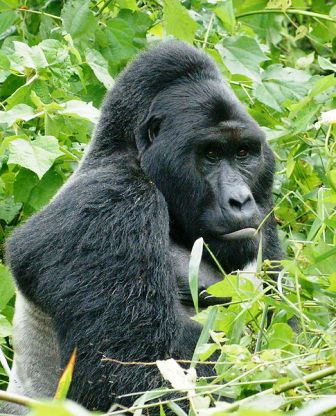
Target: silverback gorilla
(175, 156)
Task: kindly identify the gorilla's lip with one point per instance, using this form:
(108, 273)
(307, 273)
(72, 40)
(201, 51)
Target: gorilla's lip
(248, 232)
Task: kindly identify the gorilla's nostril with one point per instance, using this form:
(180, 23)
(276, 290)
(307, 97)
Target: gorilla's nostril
(235, 204)
(240, 202)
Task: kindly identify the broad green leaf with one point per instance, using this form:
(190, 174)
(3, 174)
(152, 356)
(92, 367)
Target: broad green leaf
(279, 84)
(117, 41)
(318, 407)
(21, 95)
(78, 20)
(5, 327)
(177, 21)
(326, 64)
(55, 52)
(259, 405)
(242, 55)
(7, 289)
(31, 57)
(4, 61)
(9, 4)
(9, 208)
(19, 112)
(45, 189)
(280, 336)
(249, 5)
(7, 19)
(25, 181)
(38, 155)
(81, 109)
(99, 66)
(225, 12)
(323, 84)
(128, 4)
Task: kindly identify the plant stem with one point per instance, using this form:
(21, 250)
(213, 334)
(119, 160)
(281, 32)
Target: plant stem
(317, 375)
(262, 328)
(17, 399)
(41, 13)
(208, 30)
(288, 11)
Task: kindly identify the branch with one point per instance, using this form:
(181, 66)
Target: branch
(317, 375)
(288, 11)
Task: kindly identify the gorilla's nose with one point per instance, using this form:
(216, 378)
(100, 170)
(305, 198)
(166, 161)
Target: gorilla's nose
(240, 200)
(239, 204)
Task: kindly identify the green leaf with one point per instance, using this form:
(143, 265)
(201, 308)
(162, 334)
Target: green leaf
(4, 61)
(25, 181)
(45, 189)
(78, 20)
(242, 55)
(205, 334)
(55, 52)
(76, 108)
(66, 378)
(19, 112)
(326, 64)
(118, 40)
(178, 22)
(54, 408)
(38, 155)
(225, 12)
(280, 336)
(9, 4)
(317, 407)
(194, 264)
(279, 84)
(31, 57)
(7, 289)
(99, 66)
(9, 208)
(5, 327)
(7, 19)
(21, 95)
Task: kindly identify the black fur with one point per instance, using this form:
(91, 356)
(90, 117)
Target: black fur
(97, 257)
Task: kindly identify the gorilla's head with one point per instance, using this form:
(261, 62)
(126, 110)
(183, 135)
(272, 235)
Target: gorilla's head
(198, 144)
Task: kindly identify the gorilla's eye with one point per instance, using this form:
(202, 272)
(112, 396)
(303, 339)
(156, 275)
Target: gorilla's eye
(154, 129)
(213, 154)
(242, 153)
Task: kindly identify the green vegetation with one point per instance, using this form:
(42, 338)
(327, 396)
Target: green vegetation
(58, 58)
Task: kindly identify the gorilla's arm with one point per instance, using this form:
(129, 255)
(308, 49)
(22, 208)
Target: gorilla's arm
(97, 261)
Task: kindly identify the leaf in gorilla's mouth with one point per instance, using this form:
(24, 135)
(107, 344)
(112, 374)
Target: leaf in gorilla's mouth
(248, 232)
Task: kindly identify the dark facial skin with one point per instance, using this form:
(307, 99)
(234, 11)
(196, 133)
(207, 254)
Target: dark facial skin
(218, 160)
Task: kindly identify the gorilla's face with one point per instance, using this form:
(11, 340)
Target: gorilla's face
(210, 160)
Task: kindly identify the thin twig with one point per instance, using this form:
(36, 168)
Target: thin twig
(317, 375)
(290, 11)
(22, 9)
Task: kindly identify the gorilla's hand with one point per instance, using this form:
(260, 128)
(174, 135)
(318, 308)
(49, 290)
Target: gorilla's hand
(207, 276)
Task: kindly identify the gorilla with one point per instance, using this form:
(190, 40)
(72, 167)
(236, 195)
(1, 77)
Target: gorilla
(175, 157)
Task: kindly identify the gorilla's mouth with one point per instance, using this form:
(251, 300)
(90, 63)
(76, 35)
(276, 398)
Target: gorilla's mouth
(243, 233)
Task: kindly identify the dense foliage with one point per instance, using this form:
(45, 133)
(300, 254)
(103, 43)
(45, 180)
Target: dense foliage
(58, 58)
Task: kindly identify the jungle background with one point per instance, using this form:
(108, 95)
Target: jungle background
(58, 59)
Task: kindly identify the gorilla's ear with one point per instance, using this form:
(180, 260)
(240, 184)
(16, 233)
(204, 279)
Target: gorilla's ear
(147, 133)
(153, 128)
